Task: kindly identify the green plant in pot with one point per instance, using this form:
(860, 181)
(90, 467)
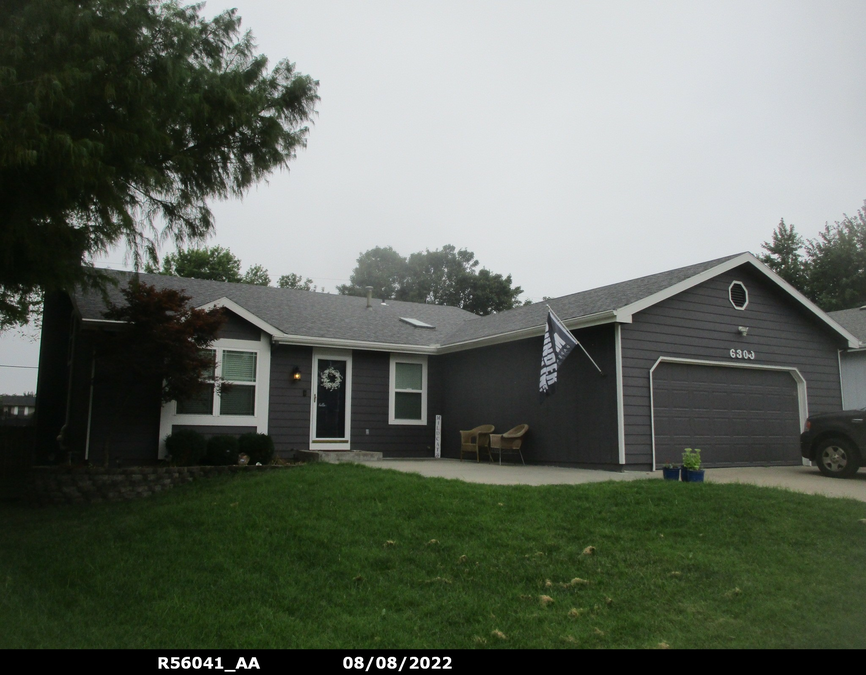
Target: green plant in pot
(692, 472)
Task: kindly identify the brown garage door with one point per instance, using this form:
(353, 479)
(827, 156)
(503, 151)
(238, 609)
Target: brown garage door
(736, 416)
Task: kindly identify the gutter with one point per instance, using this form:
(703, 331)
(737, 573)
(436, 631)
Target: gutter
(337, 343)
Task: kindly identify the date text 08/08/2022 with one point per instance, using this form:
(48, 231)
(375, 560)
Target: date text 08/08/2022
(361, 663)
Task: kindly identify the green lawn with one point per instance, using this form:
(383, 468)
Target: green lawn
(340, 556)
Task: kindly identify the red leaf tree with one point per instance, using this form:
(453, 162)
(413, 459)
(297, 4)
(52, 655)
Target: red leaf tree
(163, 338)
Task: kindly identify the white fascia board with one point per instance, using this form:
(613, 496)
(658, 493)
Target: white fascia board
(853, 341)
(244, 314)
(337, 343)
(102, 323)
(534, 331)
(742, 259)
(686, 284)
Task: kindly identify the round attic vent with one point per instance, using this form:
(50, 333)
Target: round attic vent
(738, 295)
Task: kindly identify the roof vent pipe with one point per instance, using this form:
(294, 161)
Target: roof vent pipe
(369, 290)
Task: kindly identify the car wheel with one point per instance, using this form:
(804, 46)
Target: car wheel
(837, 458)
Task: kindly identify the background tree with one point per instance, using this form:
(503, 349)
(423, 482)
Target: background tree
(257, 276)
(118, 120)
(829, 269)
(446, 276)
(490, 293)
(784, 255)
(215, 263)
(382, 268)
(837, 264)
(296, 281)
(440, 277)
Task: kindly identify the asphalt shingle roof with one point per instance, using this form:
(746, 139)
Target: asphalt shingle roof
(296, 312)
(578, 305)
(322, 315)
(853, 320)
(18, 399)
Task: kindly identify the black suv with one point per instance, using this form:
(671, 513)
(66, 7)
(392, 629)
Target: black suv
(834, 442)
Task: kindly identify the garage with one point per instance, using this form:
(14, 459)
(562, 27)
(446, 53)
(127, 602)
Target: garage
(736, 415)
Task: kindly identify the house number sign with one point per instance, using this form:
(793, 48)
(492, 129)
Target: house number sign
(742, 354)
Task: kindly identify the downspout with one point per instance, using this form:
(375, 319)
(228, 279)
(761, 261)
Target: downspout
(70, 362)
(90, 405)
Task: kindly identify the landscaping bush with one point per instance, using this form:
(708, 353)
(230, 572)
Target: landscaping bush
(222, 450)
(260, 448)
(186, 447)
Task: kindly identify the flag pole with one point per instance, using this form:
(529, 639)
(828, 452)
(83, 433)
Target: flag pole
(590, 358)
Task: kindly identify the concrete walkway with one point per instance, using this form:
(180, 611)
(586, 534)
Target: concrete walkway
(798, 478)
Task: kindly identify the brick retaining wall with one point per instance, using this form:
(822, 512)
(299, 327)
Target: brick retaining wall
(92, 485)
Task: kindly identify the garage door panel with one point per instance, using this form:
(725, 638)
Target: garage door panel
(736, 416)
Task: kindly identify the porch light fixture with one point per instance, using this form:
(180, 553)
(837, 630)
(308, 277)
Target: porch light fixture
(744, 330)
(296, 374)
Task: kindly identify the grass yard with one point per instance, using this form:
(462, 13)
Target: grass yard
(341, 556)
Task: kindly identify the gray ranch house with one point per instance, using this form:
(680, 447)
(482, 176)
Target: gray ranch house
(723, 355)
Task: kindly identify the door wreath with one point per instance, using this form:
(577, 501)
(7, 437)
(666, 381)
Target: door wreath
(331, 378)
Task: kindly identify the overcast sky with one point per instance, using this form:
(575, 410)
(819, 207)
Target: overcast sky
(569, 144)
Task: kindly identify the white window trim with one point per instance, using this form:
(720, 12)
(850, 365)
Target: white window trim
(407, 358)
(259, 420)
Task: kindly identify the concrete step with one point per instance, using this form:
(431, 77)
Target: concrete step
(337, 456)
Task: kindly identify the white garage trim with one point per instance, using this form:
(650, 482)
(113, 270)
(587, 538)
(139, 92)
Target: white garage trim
(794, 372)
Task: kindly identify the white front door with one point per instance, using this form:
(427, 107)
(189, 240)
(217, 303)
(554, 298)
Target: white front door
(330, 425)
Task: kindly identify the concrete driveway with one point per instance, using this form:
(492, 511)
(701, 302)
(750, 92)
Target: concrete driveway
(799, 478)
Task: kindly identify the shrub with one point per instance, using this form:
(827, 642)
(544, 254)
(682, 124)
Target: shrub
(186, 447)
(222, 450)
(260, 447)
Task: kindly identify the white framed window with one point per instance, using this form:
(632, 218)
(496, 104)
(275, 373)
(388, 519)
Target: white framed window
(407, 400)
(246, 366)
(235, 368)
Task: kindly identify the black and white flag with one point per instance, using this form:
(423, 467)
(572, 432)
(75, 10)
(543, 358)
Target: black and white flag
(558, 343)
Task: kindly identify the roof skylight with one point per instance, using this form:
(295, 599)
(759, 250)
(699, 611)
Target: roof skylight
(416, 323)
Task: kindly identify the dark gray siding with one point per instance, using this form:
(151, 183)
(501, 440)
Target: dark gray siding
(289, 405)
(370, 397)
(289, 409)
(124, 428)
(53, 377)
(237, 328)
(124, 425)
(702, 324)
(576, 426)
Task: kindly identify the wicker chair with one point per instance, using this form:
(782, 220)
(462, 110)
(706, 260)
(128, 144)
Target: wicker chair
(510, 441)
(474, 440)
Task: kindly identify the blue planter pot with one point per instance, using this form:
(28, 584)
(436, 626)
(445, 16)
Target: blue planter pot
(671, 474)
(694, 476)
